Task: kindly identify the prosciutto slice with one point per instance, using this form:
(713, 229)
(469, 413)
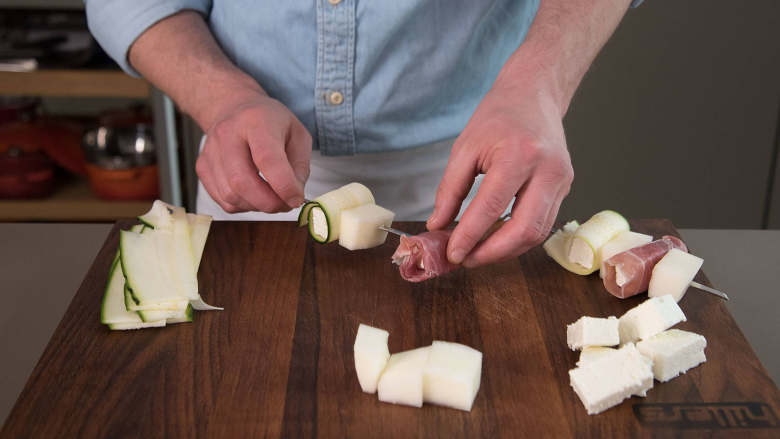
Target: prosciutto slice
(424, 256)
(628, 273)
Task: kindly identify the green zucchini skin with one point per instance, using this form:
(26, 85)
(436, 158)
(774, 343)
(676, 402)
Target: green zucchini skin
(108, 286)
(303, 215)
(145, 223)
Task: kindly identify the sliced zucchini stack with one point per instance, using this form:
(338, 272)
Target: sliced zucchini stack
(186, 246)
(153, 279)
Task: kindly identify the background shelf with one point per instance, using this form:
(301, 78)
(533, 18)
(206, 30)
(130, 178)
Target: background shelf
(73, 83)
(72, 201)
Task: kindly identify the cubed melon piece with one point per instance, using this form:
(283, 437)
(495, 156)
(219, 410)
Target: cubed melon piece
(360, 226)
(673, 274)
(402, 380)
(371, 355)
(452, 375)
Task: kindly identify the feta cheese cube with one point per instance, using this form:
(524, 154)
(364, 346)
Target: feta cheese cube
(360, 226)
(673, 274)
(592, 331)
(319, 223)
(581, 253)
(647, 319)
(591, 353)
(402, 380)
(371, 355)
(673, 352)
(607, 381)
(452, 375)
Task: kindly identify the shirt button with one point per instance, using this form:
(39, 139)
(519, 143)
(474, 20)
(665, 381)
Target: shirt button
(335, 98)
(334, 2)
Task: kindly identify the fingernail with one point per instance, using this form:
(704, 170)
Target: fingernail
(457, 255)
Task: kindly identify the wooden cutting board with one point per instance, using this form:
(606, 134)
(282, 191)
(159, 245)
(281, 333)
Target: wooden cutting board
(278, 361)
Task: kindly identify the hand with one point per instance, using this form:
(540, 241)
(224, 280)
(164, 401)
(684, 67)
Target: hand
(255, 133)
(515, 138)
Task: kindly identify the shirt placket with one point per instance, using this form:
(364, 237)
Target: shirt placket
(335, 73)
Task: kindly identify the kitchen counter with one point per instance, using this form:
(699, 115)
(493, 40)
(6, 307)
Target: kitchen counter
(42, 266)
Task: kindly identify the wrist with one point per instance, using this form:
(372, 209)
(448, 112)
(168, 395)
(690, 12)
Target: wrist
(539, 69)
(223, 96)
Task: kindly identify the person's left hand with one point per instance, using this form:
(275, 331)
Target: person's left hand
(516, 138)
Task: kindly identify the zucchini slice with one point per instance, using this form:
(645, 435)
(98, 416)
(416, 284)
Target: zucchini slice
(199, 232)
(138, 325)
(113, 309)
(187, 316)
(146, 263)
(324, 212)
(160, 216)
(556, 247)
(303, 216)
(586, 242)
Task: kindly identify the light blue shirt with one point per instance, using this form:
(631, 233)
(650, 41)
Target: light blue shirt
(362, 75)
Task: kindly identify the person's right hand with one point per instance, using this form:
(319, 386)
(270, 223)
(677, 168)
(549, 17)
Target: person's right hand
(257, 134)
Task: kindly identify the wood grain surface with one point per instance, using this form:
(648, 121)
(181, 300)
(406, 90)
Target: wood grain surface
(278, 361)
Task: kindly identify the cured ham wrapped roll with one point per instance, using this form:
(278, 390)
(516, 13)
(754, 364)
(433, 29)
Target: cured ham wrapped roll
(424, 256)
(628, 273)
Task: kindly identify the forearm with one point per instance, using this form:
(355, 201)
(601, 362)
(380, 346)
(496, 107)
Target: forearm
(180, 56)
(561, 44)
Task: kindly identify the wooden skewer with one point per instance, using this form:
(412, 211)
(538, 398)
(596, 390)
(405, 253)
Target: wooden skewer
(393, 231)
(718, 293)
(499, 222)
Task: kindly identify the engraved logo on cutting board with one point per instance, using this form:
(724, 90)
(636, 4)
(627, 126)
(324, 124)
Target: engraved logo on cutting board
(706, 415)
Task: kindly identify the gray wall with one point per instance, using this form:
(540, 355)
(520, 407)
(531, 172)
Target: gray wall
(678, 116)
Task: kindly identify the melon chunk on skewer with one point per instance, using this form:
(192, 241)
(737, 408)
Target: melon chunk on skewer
(673, 274)
(360, 226)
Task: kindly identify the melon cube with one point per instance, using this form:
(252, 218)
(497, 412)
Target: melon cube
(371, 355)
(452, 375)
(360, 226)
(402, 380)
(673, 274)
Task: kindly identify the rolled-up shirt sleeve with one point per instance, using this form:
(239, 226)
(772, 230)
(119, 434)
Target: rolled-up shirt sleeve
(116, 24)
